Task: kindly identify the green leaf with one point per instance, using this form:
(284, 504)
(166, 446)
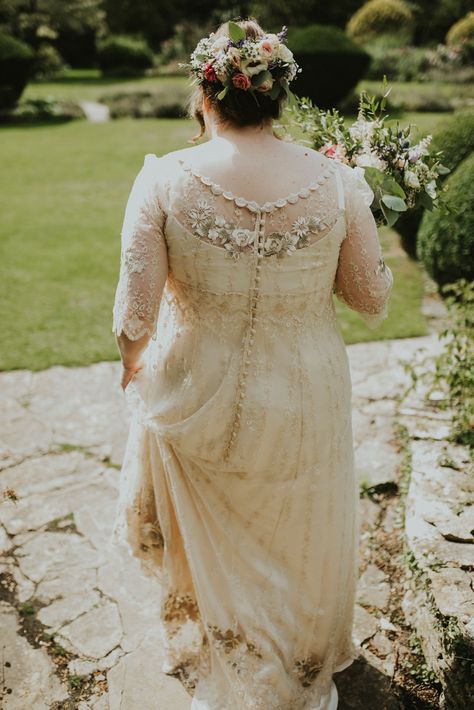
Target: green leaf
(426, 201)
(222, 93)
(236, 33)
(275, 91)
(260, 78)
(390, 215)
(394, 202)
(443, 170)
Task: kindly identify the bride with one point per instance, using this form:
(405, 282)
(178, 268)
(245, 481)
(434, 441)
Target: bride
(237, 487)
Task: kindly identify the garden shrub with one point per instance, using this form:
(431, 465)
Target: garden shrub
(445, 241)
(455, 137)
(122, 55)
(48, 62)
(396, 63)
(144, 104)
(462, 30)
(32, 111)
(382, 17)
(16, 63)
(332, 64)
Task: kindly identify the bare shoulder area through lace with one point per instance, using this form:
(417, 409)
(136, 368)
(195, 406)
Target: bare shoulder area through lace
(170, 188)
(236, 224)
(253, 206)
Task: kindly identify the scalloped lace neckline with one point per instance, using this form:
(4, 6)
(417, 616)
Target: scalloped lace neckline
(253, 206)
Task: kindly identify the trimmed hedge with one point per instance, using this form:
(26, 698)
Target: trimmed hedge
(462, 30)
(122, 55)
(16, 64)
(446, 241)
(332, 64)
(455, 137)
(381, 17)
(145, 104)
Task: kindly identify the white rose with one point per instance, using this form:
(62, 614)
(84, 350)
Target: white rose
(219, 44)
(272, 38)
(285, 54)
(411, 179)
(249, 70)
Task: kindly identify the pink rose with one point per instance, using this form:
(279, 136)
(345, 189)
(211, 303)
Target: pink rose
(266, 49)
(241, 81)
(209, 73)
(329, 150)
(265, 85)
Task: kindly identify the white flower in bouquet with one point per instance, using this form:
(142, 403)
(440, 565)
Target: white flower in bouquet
(411, 179)
(285, 54)
(417, 151)
(250, 67)
(362, 130)
(219, 44)
(370, 160)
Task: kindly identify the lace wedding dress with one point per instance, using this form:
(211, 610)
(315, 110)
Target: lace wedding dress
(237, 487)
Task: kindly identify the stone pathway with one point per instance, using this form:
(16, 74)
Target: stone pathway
(77, 619)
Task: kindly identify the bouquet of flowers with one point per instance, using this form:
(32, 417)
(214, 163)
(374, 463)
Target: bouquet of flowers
(402, 175)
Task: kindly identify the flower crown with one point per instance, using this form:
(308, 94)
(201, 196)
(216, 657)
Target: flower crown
(237, 62)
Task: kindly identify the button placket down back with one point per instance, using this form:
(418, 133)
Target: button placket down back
(251, 330)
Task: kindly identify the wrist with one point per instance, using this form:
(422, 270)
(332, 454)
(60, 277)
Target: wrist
(131, 366)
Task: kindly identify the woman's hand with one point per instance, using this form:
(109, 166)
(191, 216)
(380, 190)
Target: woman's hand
(128, 372)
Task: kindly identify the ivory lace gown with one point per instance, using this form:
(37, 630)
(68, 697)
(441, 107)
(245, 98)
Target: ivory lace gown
(237, 487)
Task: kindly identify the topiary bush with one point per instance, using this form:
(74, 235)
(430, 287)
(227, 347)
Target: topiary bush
(382, 17)
(16, 63)
(122, 55)
(446, 240)
(48, 62)
(332, 64)
(462, 30)
(455, 137)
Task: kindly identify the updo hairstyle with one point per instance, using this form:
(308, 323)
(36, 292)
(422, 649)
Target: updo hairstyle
(237, 108)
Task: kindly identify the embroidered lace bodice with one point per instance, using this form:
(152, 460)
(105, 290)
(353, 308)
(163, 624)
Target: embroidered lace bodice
(238, 488)
(173, 207)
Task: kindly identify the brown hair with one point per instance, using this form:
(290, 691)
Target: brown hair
(237, 108)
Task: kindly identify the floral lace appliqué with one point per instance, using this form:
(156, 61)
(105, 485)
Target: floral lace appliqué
(233, 643)
(234, 239)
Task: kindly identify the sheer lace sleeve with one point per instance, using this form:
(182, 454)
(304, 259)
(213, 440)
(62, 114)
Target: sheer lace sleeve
(363, 281)
(144, 258)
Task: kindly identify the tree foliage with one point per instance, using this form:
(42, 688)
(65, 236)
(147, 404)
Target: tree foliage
(299, 13)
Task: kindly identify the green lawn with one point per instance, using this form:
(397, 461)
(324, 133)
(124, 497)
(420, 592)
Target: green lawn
(64, 189)
(63, 193)
(88, 84)
(422, 90)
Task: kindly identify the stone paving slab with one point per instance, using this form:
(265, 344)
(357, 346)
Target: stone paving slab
(62, 437)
